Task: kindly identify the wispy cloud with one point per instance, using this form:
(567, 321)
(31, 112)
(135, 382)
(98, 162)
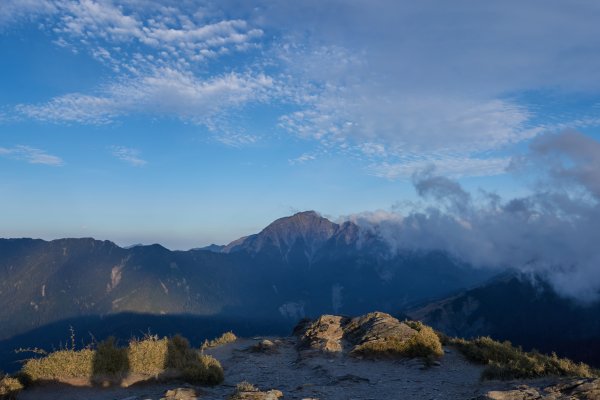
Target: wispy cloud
(31, 155)
(166, 92)
(129, 155)
(302, 159)
(13, 11)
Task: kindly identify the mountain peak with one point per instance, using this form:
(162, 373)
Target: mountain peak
(306, 214)
(306, 229)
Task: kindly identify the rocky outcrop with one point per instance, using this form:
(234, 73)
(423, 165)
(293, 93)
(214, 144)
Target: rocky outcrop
(377, 327)
(325, 334)
(335, 334)
(580, 389)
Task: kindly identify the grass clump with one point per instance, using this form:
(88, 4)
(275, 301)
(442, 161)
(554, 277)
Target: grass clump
(203, 369)
(245, 386)
(425, 344)
(109, 359)
(151, 356)
(504, 361)
(9, 387)
(62, 364)
(147, 356)
(195, 367)
(227, 337)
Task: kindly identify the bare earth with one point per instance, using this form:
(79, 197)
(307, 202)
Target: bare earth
(315, 377)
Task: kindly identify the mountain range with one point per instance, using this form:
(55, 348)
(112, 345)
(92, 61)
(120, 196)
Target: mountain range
(298, 266)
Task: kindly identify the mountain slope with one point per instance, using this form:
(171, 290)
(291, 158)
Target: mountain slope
(527, 313)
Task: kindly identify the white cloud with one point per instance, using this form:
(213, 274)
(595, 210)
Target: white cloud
(165, 93)
(16, 10)
(302, 159)
(129, 155)
(31, 155)
(156, 51)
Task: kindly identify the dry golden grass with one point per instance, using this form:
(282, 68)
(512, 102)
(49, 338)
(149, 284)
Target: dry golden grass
(9, 387)
(62, 364)
(504, 361)
(227, 337)
(148, 356)
(151, 356)
(425, 343)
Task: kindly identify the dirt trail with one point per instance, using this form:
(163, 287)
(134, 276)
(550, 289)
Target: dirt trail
(319, 377)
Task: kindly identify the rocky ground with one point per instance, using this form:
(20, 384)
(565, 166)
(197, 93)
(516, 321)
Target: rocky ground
(315, 365)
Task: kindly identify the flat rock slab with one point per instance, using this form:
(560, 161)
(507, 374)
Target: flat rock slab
(570, 389)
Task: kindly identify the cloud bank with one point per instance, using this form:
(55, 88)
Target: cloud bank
(552, 233)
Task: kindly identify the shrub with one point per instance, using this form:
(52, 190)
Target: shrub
(9, 387)
(148, 356)
(424, 344)
(110, 359)
(227, 337)
(504, 361)
(179, 353)
(204, 369)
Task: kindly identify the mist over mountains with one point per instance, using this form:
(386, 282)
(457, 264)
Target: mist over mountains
(550, 233)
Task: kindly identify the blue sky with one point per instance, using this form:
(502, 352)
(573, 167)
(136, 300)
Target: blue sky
(192, 122)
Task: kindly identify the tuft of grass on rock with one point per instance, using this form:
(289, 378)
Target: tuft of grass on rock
(227, 337)
(425, 344)
(505, 362)
(9, 387)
